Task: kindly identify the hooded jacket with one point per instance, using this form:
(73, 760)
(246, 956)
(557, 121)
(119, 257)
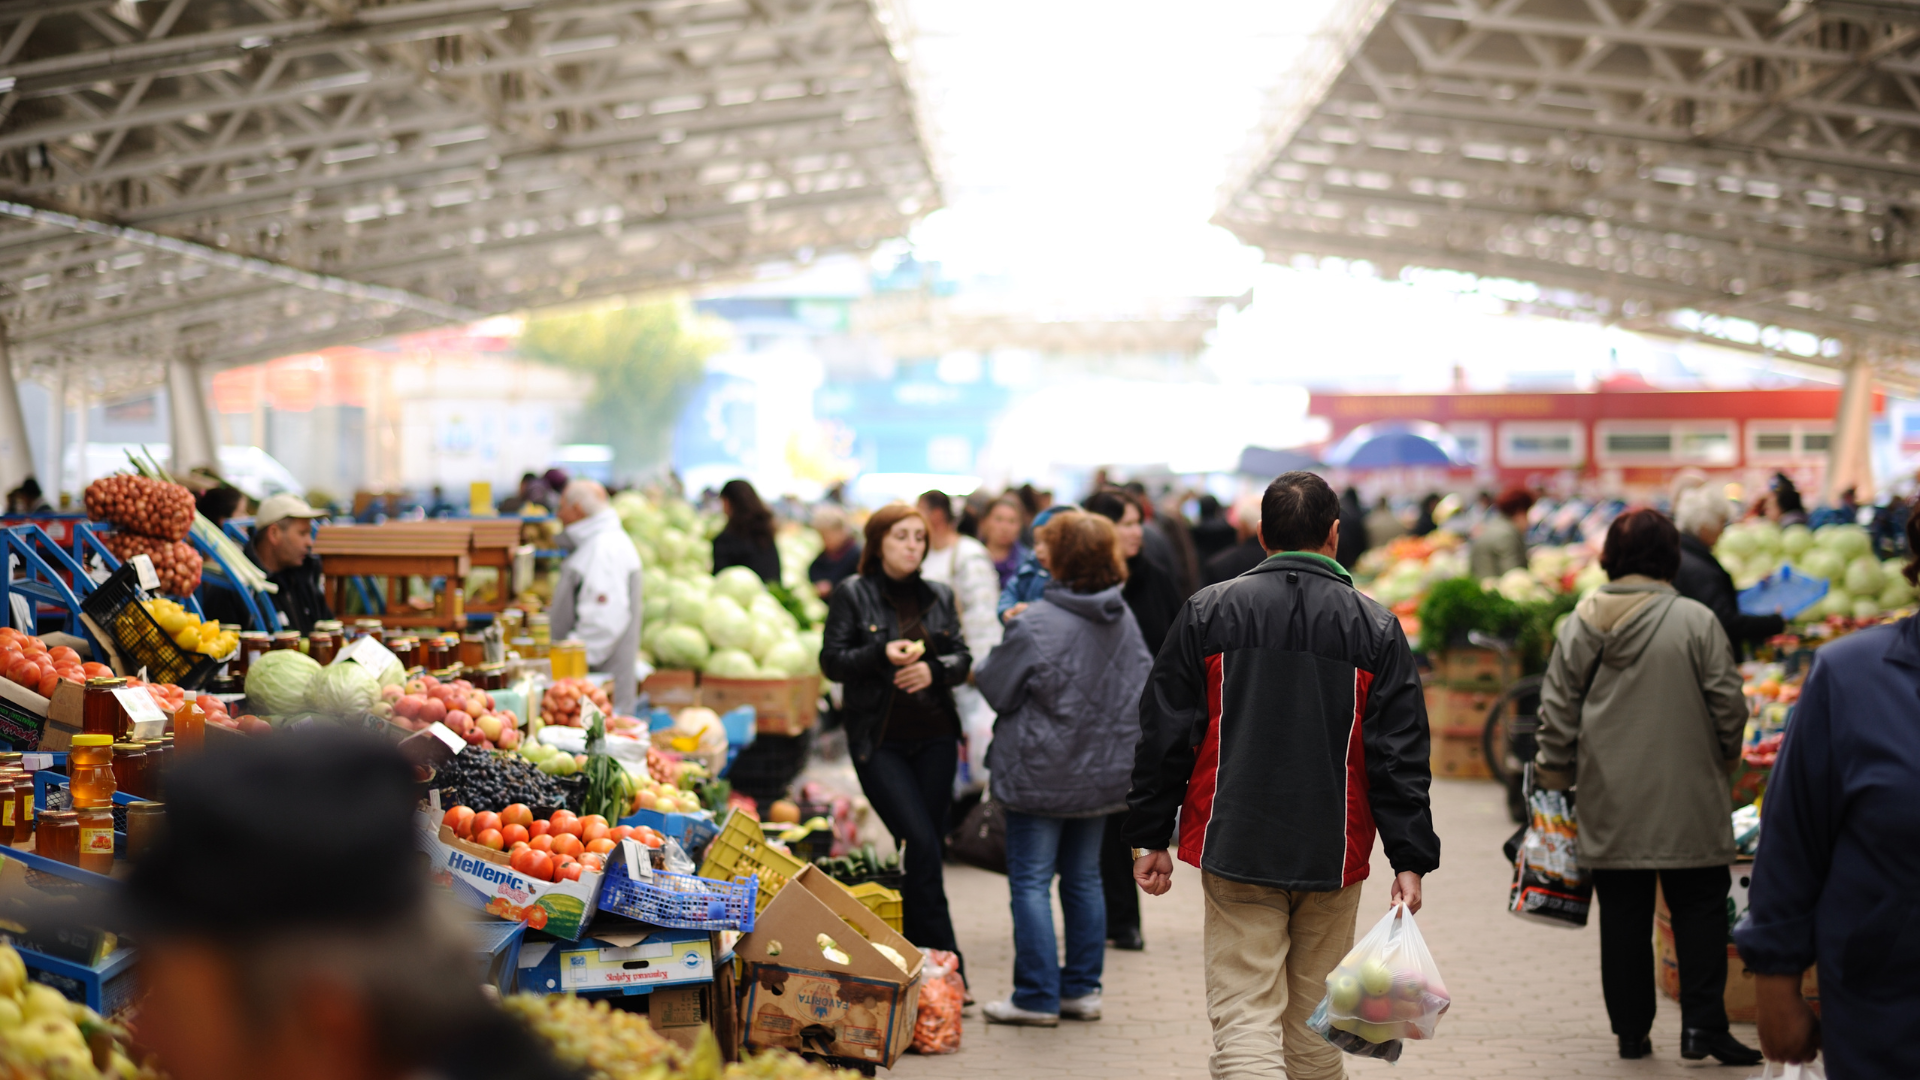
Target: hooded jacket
(1282, 724)
(1642, 707)
(598, 599)
(1066, 683)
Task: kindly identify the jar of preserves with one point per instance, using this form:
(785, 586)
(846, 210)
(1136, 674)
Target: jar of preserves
(159, 754)
(334, 627)
(440, 654)
(100, 711)
(285, 639)
(253, 645)
(9, 807)
(368, 628)
(23, 810)
(130, 769)
(473, 650)
(520, 648)
(144, 822)
(57, 835)
(321, 645)
(96, 839)
(90, 770)
(402, 649)
(493, 676)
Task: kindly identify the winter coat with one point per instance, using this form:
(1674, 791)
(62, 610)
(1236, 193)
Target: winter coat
(737, 549)
(1282, 724)
(598, 599)
(1836, 874)
(1066, 684)
(1702, 578)
(967, 569)
(1642, 707)
(1497, 548)
(853, 652)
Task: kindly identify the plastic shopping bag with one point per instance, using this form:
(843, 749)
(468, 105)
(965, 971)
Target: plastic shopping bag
(936, 1027)
(1385, 990)
(1775, 1070)
(1548, 883)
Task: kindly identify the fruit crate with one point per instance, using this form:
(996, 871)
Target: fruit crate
(682, 901)
(882, 901)
(115, 611)
(741, 853)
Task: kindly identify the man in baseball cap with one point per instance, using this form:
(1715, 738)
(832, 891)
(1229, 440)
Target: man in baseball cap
(282, 545)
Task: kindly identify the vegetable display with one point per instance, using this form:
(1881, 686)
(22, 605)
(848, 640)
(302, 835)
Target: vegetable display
(175, 562)
(606, 1043)
(42, 1034)
(488, 780)
(561, 703)
(190, 631)
(558, 847)
(468, 712)
(140, 504)
(1860, 585)
(343, 690)
(277, 681)
(27, 661)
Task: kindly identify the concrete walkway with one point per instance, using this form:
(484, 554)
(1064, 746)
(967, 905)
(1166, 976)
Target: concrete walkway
(1527, 997)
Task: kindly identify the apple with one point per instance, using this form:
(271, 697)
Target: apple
(473, 737)
(1375, 977)
(1375, 1010)
(1408, 985)
(1343, 991)
(459, 721)
(1376, 1033)
(509, 738)
(489, 726)
(432, 710)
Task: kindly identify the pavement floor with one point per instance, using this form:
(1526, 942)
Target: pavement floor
(1527, 997)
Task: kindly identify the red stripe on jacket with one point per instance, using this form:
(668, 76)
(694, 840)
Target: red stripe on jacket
(1197, 811)
(1359, 822)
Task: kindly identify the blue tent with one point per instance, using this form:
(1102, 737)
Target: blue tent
(1395, 446)
(1260, 461)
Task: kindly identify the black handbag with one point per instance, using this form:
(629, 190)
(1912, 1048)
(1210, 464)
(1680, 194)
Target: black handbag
(981, 839)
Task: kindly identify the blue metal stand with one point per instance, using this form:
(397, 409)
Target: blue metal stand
(42, 564)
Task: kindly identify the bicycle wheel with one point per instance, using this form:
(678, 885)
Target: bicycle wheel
(1515, 707)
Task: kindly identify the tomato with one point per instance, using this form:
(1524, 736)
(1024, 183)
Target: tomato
(592, 819)
(460, 820)
(49, 682)
(518, 859)
(540, 828)
(33, 646)
(564, 821)
(486, 819)
(591, 831)
(62, 654)
(600, 846)
(489, 838)
(569, 872)
(568, 844)
(96, 671)
(541, 843)
(516, 814)
(619, 833)
(539, 866)
(653, 841)
(515, 834)
(593, 862)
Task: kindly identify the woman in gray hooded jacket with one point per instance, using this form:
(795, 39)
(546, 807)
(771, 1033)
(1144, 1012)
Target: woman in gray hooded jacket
(1066, 684)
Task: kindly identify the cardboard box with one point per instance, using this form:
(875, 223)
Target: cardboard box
(1476, 669)
(682, 1013)
(484, 878)
(1449, 707)
(847, 1001)
(1457, 754)
(31, 722)
(672, 689)
(1741, 998)
(781, 706)
(619, 956)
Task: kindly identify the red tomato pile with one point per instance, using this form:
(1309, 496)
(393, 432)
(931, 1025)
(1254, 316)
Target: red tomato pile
(26, 660)
(561, 703)
(174, 561)
(558, 848)
(141, 504)
(470, 713)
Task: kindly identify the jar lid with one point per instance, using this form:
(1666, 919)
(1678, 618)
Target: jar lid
(251, 635)
(106, 682)
(93, 740)
(285, 635)
(59, 816)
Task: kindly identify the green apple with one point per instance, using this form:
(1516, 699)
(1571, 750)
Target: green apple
(1343, 991)
(1375, 977)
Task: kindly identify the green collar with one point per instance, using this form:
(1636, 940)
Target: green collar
(1326, 563)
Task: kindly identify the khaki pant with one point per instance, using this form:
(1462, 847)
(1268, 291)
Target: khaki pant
(1268, 955)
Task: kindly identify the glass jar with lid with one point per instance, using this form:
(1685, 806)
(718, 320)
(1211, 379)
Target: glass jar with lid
(23, 810)
(130, 768)
(57, 835)
(254, 644)
(90, 770)
(285, 639)
(100, 710)
(440, 654)
(473, 649)
(322, 645)
(96, 839)
(10, 806)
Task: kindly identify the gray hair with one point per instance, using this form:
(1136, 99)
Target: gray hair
(586, 496)
(829, 517)
(1701, 508)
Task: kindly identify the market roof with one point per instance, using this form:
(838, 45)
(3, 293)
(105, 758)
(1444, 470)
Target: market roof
(1738, 169)
(231, 180)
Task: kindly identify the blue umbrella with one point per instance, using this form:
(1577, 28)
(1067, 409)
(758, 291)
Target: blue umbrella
(1260, 461)
(1383, 446)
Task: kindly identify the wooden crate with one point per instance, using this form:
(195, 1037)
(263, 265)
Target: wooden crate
(672, 689)
(1457, 754)
(781, 706)
(1741, 998)
(1451, 708)
(1474, 668)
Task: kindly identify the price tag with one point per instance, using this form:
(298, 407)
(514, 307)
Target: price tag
(36, 762)
(144, 574)
(639, 862)
(368, 653)
(446, 735)
(148, 721)
(433, 800)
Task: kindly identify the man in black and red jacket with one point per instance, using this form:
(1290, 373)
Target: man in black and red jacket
(1282, 726)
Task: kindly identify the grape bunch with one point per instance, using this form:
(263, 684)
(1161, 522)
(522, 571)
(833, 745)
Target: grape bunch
(142, 504)
(175, 561)
(486, 780)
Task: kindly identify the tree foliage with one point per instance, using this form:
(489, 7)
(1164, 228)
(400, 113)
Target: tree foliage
(645, 359)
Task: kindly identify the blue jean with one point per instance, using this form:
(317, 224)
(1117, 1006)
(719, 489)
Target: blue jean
(1037, 849)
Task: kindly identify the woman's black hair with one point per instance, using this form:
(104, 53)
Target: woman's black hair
(1641, 542)
(748, 516)
(1912, 570)
(217, 504)
(1109, 503)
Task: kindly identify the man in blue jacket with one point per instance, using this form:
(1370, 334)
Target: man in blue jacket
(1282, 727)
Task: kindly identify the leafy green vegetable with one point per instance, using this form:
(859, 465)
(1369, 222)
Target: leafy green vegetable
(1458, 605)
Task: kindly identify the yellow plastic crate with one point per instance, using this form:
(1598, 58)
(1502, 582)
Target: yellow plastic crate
(882, 901)
(741, 851)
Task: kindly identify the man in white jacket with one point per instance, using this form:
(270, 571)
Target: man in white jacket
(598, 596)
(962, 564)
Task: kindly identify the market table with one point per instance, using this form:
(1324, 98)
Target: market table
(397, 550)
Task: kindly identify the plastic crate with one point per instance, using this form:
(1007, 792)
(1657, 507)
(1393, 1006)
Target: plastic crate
(741, 853)
(682, 901)
(497, 952)
(882, 901)
(107, 988)
(115, 608)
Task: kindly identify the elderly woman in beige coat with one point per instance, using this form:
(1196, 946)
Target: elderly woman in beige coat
(1642, 713)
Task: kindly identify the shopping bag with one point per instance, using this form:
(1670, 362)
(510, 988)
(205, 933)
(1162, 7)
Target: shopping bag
(1777, 1070)
(936, 1026)
(981, 839)
(1548, 884)
(1386, 989)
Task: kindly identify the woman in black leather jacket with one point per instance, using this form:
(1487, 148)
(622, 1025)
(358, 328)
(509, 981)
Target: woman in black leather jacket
(893, 642)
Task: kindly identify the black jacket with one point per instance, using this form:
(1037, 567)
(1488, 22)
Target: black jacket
(1283, 723)
(1702, 578)
(1235, 561)
(853, 652)
(301, 601)
(734, 549)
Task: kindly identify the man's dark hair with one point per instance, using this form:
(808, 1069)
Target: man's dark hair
(219, 503)
(1641, 542)
(938, 500)
(1297, 512)
(1109, 503)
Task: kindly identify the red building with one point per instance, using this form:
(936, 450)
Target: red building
(1625, 439)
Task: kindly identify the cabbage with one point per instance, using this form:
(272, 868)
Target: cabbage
(1821, 563)
(1863, 576)
(277, 682)
(689, 608)
(1896, 593)
(656, 608)
(732, 664)
(1865, 608)
(1836, 602)
(739, 584)
(727, 624)
(788, 658)
(810, 642)
(680, 647)
(343, 690)
(766, 608)
(1737, 542)
(766, 635)
(672, 545)
(1849, 542)
(1795, 539)
(656, 582)
(1766, 536)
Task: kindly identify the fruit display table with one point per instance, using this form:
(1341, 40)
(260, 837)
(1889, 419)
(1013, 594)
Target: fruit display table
(396, 551)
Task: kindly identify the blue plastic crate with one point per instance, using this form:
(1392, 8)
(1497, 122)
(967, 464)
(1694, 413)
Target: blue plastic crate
(694, 831)
(682, 901)
(106, 989)
(1785, 592)
(497, 952)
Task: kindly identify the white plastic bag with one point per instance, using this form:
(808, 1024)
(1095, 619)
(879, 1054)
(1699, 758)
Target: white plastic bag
(1776, 1070)
(1386, 989)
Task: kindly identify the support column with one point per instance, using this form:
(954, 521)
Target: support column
(55, 480)
(1850, 461)
(81, 403)
(16, 456)
(190, 427)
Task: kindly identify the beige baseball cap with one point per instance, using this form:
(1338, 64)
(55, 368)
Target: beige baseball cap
(280, 507)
